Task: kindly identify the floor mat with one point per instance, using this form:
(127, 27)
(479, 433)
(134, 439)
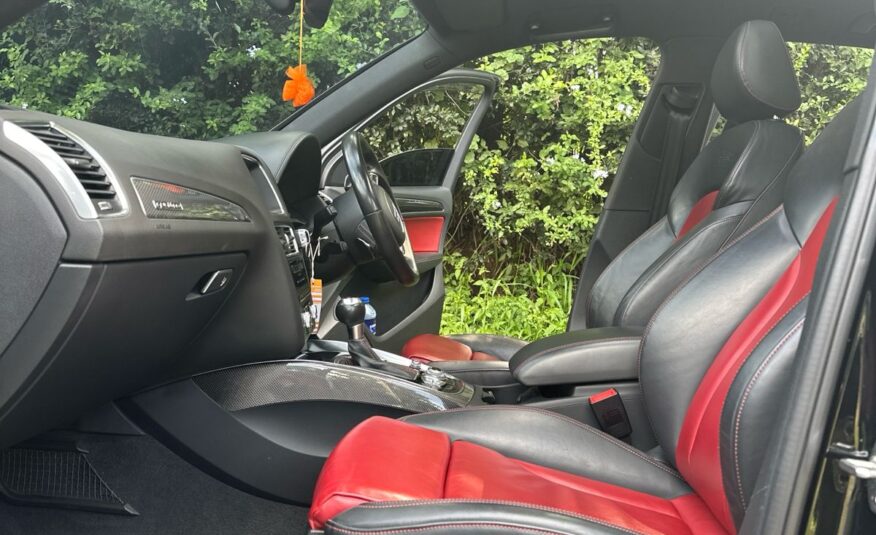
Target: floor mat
(171, 496)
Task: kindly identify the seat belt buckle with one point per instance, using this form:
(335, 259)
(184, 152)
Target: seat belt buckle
(608, 407)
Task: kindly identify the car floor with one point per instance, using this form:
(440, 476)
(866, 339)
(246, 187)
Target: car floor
(170, 495)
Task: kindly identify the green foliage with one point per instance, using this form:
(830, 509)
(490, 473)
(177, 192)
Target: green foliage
(534, 182)
(528, 300)
(564, 111)
(429, 119)
(188, 68)
(830, 76)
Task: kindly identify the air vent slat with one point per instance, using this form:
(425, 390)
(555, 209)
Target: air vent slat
(99, 194)
(97, 184)
(93, 179)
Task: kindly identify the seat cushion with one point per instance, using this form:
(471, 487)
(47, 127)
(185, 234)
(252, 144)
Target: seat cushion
(479, 347)
(385, 460)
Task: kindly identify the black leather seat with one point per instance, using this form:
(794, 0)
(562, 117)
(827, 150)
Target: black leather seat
(736, 179)
(714, 367)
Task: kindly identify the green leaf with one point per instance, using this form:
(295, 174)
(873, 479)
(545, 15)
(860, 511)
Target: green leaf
(400, 12)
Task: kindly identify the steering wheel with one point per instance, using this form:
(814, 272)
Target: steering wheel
(384, 220)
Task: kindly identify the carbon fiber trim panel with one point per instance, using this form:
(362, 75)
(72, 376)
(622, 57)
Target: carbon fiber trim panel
(162, 200)
(269, 383)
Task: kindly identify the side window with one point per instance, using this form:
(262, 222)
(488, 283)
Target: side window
(415, 139)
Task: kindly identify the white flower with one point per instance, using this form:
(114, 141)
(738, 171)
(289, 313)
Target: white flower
(252, 51)
(600, 173)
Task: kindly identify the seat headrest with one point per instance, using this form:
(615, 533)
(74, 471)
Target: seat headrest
(754, 78)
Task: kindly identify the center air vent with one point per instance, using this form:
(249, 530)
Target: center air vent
(93, 179)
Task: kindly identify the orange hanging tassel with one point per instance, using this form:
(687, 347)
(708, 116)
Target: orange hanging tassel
(299, 88)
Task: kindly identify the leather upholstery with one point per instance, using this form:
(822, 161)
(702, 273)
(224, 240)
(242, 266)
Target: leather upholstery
(501, 347)
(424, 233)
(733, 183)
(431, 348)
(753, 73)
(466, 347)
(605, 355)
(742, 164)
(440, 517)
(714, 364)
(460, 468)
(586, 452)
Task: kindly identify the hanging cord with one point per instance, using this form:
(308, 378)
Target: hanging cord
(301, 34)
(299, 88)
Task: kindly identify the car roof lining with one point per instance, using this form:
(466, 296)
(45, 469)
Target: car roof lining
(498, 24)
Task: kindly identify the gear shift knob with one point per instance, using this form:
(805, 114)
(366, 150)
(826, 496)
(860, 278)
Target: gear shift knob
(351, 312)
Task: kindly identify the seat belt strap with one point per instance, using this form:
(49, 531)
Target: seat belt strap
(681, 107)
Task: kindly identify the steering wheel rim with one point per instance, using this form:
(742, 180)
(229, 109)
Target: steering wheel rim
(381, 212)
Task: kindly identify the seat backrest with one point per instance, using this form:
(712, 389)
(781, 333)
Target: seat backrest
(737, 178)
(717, 356)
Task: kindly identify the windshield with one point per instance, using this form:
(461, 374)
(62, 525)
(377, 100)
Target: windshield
(197, 69)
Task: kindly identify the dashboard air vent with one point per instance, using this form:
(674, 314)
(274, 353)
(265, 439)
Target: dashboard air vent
(89, 172)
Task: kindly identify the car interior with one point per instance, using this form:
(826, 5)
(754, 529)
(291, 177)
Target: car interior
(168, 366)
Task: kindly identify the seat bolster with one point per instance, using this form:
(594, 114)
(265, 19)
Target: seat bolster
(348, 479)
(650, 290)
(464, 516)
(435, 348)
(571, 447)
(464, 348)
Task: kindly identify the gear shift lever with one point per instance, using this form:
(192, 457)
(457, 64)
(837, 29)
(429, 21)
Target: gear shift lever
(351, 312)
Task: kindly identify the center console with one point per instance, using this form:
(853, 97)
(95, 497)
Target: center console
(268, 427)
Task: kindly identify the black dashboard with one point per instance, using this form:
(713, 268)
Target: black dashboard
(130, 260)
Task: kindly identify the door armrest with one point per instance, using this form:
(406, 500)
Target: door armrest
(603, 355)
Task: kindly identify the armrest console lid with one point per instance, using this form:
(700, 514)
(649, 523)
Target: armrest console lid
(588, 356)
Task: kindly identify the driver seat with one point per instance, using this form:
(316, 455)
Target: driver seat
(716, 361)
(726, 190)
